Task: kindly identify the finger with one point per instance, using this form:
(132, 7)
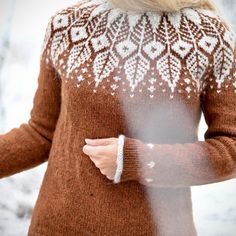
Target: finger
(101, 141)
(98, 151)
(89, 150)
(110, 177)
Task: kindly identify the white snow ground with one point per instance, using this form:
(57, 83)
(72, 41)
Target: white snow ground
(214, 205)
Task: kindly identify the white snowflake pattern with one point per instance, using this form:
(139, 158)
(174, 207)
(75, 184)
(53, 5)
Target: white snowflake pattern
(149, 180)
(151, 164)
(150, 145)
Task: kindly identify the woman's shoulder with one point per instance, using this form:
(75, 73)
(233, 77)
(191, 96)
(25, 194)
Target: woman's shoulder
(207, 27)
(68, 13)
(207, 19)
(79, 10)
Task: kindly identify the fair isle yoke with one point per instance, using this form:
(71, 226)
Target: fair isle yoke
(141, 45)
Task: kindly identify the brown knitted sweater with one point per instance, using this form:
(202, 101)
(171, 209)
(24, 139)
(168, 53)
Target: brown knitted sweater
(104, 72)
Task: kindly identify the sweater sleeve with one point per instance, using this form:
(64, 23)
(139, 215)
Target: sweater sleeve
(28, 145)
(202, 162)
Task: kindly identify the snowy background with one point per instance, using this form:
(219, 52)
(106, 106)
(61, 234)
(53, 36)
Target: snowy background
(25, 23)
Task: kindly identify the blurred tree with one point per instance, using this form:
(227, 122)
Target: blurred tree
(4, 46)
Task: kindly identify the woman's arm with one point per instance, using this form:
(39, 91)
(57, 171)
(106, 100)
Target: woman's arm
(202, 162)
(27, 146)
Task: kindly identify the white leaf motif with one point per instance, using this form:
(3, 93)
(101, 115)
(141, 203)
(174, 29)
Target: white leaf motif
(223, 59)
(104, 64)
(60, 42)
(197, 64)
(136, 68)
(169, 68)
(79, 54)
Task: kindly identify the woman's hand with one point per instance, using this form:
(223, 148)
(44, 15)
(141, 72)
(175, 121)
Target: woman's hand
(103, 153)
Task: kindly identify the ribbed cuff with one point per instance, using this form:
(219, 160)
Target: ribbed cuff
(119, 159)
(132, 152)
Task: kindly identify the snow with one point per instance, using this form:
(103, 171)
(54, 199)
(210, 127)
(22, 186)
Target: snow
(18, 193)
(214, 205)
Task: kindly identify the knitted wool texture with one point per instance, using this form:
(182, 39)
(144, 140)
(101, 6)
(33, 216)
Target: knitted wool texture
(149, 76)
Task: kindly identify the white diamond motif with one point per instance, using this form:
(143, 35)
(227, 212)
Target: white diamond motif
(208, 43)
(100, 43)
(78, 33)
(126, 48)
(182, 48)
(154, 49)
(60, 21)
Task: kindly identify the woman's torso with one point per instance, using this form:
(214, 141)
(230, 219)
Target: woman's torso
(140, 74)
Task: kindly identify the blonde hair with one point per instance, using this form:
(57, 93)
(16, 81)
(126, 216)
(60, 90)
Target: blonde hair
(162, 5)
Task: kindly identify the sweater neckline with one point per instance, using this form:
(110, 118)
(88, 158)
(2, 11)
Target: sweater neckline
(106, 5)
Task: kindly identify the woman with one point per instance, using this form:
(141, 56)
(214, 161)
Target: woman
(116, 112)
